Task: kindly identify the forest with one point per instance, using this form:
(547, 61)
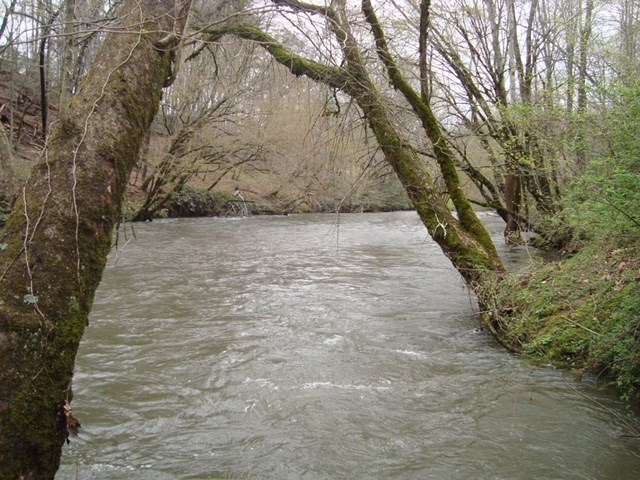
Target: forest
(137, 109)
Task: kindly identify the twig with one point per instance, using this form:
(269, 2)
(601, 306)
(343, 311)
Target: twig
(581, 326)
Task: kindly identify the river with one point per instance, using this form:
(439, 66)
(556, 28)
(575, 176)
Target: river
(318, 347)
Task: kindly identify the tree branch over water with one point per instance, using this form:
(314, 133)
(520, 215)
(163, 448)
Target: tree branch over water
(465, 241)
(331, 76)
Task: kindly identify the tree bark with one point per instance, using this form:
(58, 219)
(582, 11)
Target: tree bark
(5, 19)
(443, 153)
(7, 180)
(513, 204)
(571, 36)
(585, 40)
(425, 76)
(523, 165)
(67, 59)
(42, 69)
(58, 235)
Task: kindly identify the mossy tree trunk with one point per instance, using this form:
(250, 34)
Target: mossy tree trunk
(523, 171)
(54, 247)
(464, 240)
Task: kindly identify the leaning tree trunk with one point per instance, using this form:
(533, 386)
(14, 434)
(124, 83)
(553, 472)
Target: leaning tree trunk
(464, 240)
(54, 247)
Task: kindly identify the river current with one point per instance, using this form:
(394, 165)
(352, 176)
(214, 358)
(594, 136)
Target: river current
(319, 347)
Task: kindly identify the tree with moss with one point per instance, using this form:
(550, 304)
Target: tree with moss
(56, 240)
(462, 237)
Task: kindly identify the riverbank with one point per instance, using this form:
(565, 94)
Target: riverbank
(193, 202)
(581, 312)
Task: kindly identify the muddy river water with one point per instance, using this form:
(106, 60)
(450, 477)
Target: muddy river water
(317, 347)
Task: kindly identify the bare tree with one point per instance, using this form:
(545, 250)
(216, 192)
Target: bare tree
(494, 55)
(464, 239)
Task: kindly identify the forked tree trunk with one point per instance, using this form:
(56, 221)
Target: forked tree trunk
(67, 59)
(56, 241)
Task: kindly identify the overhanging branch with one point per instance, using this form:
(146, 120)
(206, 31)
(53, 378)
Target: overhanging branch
(299, 66)
(442, 150)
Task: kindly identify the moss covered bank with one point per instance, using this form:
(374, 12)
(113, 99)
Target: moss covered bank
(581, 312)
(194, 202)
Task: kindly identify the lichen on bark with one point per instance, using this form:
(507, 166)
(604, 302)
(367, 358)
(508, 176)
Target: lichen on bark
(58, 236)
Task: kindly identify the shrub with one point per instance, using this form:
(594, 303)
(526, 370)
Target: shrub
(607, 199)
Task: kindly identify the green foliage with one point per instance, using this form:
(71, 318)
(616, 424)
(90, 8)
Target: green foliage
(607, 199)
(618, 350)
(582, 312)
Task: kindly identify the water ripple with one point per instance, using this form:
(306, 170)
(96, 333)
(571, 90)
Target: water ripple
(299, 348)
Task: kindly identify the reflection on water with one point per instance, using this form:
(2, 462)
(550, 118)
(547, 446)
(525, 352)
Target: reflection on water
(306, 348)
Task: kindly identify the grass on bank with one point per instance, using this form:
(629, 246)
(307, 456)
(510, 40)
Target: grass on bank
(582, 312)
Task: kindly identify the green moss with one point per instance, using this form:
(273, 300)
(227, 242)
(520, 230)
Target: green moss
(582, 312)
(67, 252)
(296, 64)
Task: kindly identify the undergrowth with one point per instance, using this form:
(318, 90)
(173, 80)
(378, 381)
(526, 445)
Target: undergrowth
(582, 312)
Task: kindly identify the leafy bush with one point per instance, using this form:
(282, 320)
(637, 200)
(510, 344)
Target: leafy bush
(617, 351)
(582, 312)
(607, 199)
